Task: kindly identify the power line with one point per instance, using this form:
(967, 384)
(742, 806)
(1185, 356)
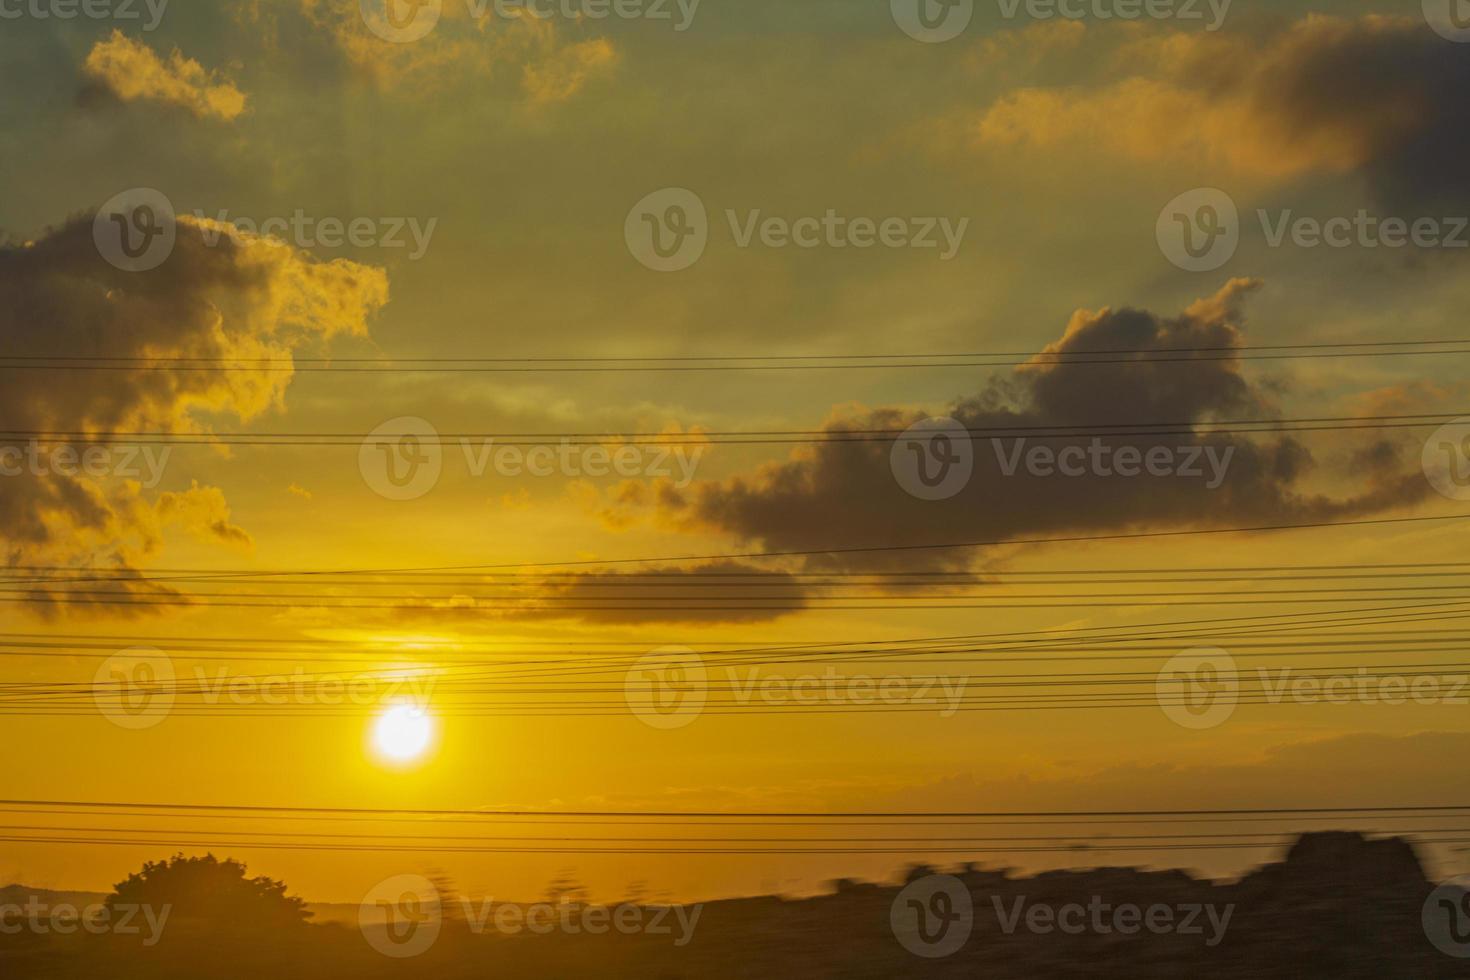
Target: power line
(735, 357)
(747, 814)
(757, 573)
(610, 440)
(870, 549)
(1143, 597)
(1071, 839)
(530, 605)
(458, 365)
(467, 849)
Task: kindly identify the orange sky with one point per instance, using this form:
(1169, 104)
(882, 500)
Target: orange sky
(616, 247)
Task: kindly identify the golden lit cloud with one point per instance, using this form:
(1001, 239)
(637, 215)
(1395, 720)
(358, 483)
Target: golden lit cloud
(132, 71)
(462, 41)
(204, 513)
(562, 75)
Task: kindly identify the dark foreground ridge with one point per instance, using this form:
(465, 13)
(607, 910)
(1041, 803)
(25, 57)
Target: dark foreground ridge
(1339, 905)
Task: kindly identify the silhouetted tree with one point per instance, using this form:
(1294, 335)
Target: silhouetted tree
(916, 871)
(207, 889)
(451, 902)
(566, 888)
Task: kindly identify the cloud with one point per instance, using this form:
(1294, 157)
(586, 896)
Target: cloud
(845, 494)
(132, 71)
(708, 593)
(1375, 95)
(244, 297)
(462, 44)
(562, 75)
(1030, 46)
(204, 513)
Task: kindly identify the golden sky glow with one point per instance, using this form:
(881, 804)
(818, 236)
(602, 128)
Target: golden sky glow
(313, 582)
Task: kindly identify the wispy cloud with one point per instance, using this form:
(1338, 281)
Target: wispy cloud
(133, 71)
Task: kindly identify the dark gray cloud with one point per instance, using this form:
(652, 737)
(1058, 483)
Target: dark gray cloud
(1392, 84)
(242, 297)
(846, 494)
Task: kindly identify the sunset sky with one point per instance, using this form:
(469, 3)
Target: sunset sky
(521, 152)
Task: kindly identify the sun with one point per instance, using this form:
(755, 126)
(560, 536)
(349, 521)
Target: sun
(403, 733)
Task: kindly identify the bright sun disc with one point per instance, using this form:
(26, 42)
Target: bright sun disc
(403, 732)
